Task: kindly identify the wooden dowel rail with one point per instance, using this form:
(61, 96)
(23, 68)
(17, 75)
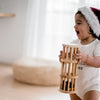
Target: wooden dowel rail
(68, 69)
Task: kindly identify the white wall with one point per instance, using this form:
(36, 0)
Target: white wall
(12, 30)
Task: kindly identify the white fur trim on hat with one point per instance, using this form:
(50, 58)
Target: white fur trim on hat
(91, 19)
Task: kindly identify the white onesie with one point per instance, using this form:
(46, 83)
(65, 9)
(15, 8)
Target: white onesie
(88, 77)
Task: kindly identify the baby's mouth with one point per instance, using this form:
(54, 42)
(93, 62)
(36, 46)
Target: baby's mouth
(77, 32)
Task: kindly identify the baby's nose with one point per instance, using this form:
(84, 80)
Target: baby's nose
(75, 26)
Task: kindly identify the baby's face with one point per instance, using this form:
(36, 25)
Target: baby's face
(81, 27)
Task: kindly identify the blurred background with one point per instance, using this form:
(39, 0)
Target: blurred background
(39, 27)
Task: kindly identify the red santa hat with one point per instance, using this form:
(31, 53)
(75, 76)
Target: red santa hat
(92, 16)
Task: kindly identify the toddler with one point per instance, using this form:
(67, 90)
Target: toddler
(87, 27)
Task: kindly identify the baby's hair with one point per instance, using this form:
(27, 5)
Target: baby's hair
(93, 34)
(91, 31)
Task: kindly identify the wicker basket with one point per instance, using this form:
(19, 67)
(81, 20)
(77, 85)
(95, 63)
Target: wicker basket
(69, 65)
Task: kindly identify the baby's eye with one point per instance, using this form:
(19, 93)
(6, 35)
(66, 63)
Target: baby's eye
(78, 23)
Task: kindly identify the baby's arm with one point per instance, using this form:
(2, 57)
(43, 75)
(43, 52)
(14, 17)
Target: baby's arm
(87, 59)
(93, 61)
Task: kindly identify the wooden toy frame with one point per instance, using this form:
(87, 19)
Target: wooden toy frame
(68, 69)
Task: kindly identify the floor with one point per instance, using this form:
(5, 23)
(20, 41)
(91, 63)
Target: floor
(10, 89)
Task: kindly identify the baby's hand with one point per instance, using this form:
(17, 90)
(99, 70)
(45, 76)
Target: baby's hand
(60, 56)
(80, 56)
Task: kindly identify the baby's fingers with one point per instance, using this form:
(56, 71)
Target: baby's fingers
(77, 57)
(60, 56)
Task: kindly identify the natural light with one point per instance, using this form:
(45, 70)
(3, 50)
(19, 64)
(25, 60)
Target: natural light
(51, 24)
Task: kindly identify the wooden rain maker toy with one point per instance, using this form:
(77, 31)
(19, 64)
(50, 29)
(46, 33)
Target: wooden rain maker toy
(68, 69)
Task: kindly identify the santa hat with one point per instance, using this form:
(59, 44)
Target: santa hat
(92, 16)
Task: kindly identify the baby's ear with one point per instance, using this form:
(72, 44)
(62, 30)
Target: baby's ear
(90, 30)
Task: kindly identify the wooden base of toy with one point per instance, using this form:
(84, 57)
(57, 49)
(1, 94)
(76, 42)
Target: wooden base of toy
(69, 92)
(68, 69)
